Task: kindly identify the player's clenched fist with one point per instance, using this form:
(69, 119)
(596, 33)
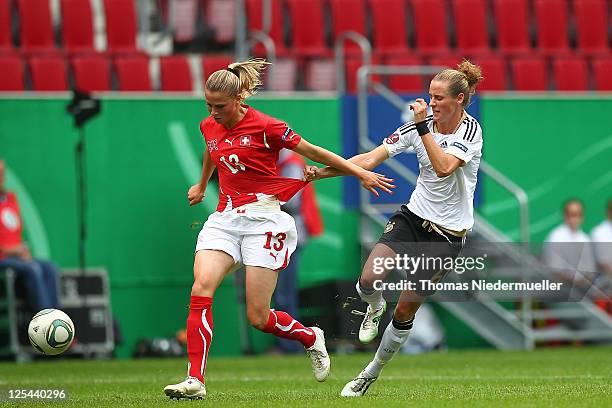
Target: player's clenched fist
(420, 110)
(195, 195)
(311, 173)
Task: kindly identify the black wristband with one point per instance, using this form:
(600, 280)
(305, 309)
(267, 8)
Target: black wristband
(422, 128)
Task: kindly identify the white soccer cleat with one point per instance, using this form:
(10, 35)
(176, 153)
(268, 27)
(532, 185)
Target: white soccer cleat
(358, 386)
(369, 326)
(191, 388)
(318, 356)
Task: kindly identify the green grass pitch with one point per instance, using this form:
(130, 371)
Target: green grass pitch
(565, 377)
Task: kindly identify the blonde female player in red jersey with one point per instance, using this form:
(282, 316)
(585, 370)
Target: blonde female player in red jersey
(248, 226)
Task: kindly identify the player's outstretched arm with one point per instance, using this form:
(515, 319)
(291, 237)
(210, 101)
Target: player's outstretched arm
(369, 180)
(196, 193)
(368, 161)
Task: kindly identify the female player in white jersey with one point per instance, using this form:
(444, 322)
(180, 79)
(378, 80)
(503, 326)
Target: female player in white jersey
(434, 222)
(249, 227)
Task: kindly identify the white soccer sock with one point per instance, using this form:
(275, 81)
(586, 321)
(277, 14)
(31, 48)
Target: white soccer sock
(391, 341)
(374, 299)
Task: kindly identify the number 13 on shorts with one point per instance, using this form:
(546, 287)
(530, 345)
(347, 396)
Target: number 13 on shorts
(275, 242)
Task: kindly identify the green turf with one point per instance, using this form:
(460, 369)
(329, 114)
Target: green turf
(568, 377)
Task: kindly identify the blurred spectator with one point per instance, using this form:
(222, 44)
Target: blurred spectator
(602, 242)
(305, 211)
(38, 277)
(568, 250)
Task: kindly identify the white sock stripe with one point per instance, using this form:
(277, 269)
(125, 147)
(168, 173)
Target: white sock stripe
(274, 314)
(208, 329)
(286, 328)
(302, 330)
(205, 323)
(203, 363)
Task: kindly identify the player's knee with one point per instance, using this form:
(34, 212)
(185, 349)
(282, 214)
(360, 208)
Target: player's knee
(201, 288)
(258, 318)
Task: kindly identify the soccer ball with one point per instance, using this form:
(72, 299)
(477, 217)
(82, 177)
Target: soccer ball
(51, 331)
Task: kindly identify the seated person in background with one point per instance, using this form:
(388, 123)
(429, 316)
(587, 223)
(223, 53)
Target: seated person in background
(39, 277)
(568, 250)
(602, 243)
(602, 239)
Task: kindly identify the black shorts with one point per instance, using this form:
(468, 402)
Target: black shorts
(407, 237)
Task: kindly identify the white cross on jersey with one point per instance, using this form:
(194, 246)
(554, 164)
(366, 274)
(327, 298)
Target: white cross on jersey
(245, 140)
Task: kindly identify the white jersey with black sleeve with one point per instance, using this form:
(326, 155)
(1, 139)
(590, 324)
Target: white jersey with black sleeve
(447, 201)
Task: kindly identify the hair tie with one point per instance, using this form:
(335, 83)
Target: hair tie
(233, 71)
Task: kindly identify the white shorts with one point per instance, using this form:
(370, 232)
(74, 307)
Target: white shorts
(251, 236)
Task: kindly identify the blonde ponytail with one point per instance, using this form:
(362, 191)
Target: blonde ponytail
(239, 79)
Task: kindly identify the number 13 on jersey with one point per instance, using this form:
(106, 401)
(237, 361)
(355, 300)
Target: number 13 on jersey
(233, 163)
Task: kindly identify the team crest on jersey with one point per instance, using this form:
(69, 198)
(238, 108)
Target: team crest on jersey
(389, 226)
(394, 138)
(288, 135)
(245, 140)
(212, 145)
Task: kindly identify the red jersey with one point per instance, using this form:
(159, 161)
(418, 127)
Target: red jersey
(246, 157)
(10, 222)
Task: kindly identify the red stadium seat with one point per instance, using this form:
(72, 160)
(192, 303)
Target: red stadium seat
(427, 14)
(494, 73)
(529, 74)
(11, 74)
(133, 73)
(352, 66)
(450, 61)
(175, 74)
(220, 15)
(255, 23)
(512, 23)
(77, 26)
(48, 73)
(592, 26)
(601, 73)
(35, 27)
(6, 45)
(307, 28)
(471, 25)
(121, 26)
(91, 73)
(212, 63)
(185, 17)
(348, 15)
(571, 74)
(406, 83)
(285, 75)
(389, 29)
(320, 74)
(551, 25)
